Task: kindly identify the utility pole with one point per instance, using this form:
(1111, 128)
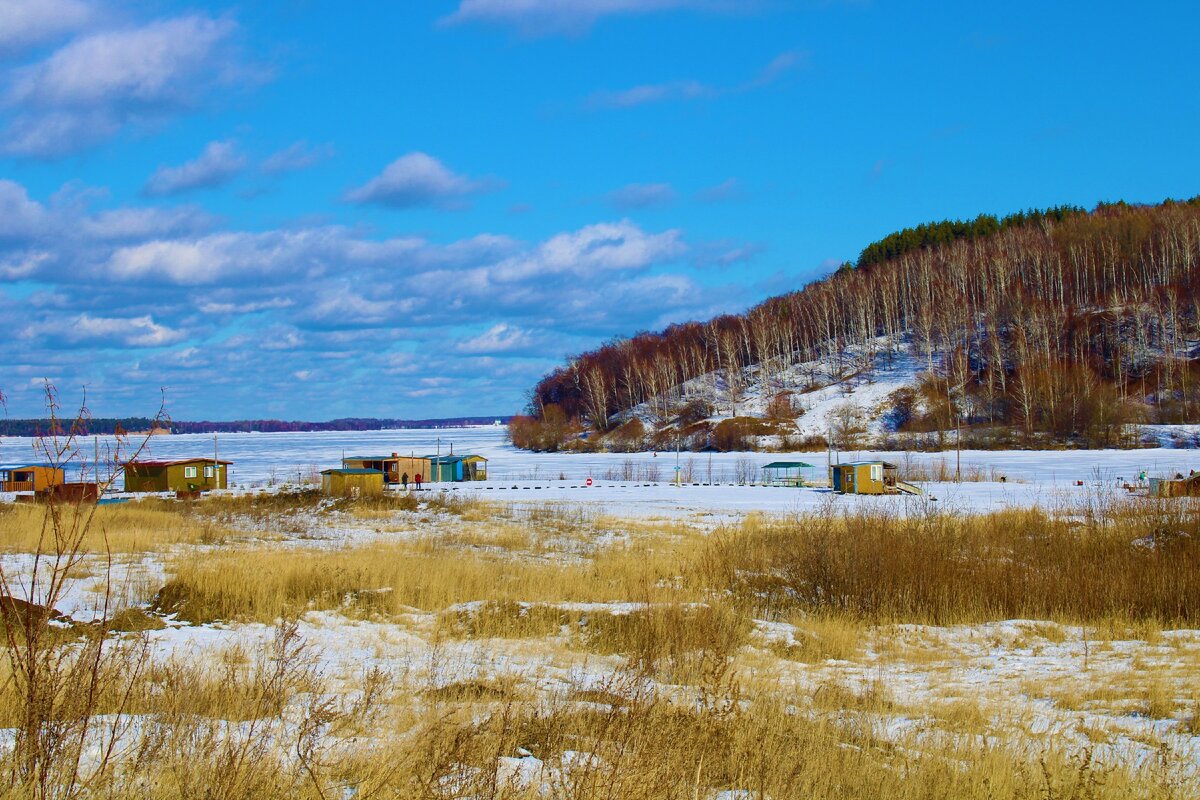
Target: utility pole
(958, 448)
(677, 474)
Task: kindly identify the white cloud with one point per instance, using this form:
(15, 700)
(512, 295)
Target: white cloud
(52, 133)
(417, 179)
(104, 331)
(343, 306)
(98, 83)
(120, 224)
(296, 156)
(650, 93)
(500, 338)
(604, 247)
(642, 195)
(31, 22)
(540, 17)
(725, 253)
(139, 66)
(220, 257)
(328, 300)
(683, 90)
(22, 265)
(20, 217)
(212, 307)
(215, 166)
(729, 189)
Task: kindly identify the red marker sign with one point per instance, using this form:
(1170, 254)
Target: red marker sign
(589, 481)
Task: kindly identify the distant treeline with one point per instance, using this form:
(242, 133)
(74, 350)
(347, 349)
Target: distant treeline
(947, 231)
(99, 426)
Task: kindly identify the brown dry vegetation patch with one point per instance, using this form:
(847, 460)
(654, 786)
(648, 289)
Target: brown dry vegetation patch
(1140, 563)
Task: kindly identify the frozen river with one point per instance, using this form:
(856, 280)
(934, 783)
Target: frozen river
(258, 457)
(620, 480)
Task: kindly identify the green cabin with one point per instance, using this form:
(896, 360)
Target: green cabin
(181, 475)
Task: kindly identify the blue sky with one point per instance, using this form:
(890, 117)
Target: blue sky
(285, 209)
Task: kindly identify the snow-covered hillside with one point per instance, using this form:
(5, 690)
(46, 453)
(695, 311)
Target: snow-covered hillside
(856, 381)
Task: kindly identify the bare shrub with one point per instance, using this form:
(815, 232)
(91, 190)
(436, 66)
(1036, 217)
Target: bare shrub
(72, 684)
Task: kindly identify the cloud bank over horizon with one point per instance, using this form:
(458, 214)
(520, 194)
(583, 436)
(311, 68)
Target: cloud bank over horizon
(220, 312)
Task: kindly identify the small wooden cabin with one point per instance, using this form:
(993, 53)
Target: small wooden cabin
(864, 477)
(474, 468)
(396, 469)
(30, 477)
(351, 482)
(180, 475)
(1176, 487)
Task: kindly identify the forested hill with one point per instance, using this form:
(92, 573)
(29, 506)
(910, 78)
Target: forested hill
(1061, 324)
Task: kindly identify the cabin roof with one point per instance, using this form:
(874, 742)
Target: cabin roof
(787, 465)
(348, 471)
(176, 462)
(388, 457)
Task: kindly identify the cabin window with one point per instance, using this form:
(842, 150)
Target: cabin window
(189, 472)
(208, 471)
(876, 472)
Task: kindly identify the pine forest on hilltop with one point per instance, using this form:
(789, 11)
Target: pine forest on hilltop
(1045, 327)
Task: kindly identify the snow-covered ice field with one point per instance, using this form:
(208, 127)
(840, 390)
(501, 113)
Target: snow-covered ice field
(1033, 477)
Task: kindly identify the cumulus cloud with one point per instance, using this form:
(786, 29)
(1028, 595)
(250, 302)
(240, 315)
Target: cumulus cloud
(542, 17)
(217, 165)
(98, 83)
(295, 157)
(32, 22)
(418, 179)
(642, 195)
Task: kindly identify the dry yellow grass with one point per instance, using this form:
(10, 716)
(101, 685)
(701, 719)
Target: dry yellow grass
(392, 578)
(1137, 564)
(681, 719)
(124, 528)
